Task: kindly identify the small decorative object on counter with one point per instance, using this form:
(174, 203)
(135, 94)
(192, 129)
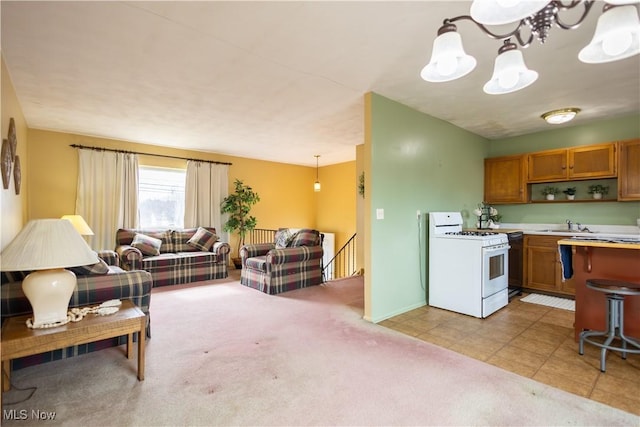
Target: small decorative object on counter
(570, 192)
(488, 216)
(550, 192)
(598, 190)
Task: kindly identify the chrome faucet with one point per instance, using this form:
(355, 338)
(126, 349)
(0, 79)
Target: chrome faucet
(569, 225)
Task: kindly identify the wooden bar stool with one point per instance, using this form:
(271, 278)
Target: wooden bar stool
(615, 291)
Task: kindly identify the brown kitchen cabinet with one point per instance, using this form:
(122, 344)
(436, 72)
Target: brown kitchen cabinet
(629, 170)
(584, 162)
(543, 270)
(505, 179)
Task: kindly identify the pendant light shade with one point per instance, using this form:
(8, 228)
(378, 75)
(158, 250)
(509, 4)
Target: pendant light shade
(617, 36)
(449, 61)
(510, 73)
(316, 185)
(498, 12)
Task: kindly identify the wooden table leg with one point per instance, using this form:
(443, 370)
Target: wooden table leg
(130, 345)
(6, 375)
(141, 342)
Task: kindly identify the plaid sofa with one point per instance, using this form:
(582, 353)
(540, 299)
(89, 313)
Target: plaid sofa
(178, 261)
(91, 290)
(293, 261)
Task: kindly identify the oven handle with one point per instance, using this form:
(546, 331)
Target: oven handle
(497, 248)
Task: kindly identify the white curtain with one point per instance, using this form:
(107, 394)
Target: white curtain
(107, 196)
(207, 185)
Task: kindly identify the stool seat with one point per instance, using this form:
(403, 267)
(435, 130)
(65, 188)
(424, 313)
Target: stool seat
(614, 286)
(615, 290)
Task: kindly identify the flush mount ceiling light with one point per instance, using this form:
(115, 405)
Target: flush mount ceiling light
(316, 185)
(617, 37)
(563, 115)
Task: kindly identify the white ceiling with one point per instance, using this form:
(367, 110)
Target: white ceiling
(279, 81)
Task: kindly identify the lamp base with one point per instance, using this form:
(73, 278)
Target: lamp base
(49, 292)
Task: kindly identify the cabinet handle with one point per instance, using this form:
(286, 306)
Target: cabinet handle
(571, 167)
(563, 167)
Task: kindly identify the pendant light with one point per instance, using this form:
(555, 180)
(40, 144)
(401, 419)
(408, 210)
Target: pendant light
(316, 185)
(617, 37)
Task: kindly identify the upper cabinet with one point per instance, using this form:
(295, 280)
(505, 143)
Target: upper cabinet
(505, 179)
(629, 170)
(585, 162)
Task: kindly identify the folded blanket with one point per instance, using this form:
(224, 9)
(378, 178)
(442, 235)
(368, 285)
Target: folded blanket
(566, 262)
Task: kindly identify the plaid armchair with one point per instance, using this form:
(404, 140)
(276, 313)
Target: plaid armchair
(293, 261)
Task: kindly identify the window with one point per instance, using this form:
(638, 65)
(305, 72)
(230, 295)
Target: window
(161, 197)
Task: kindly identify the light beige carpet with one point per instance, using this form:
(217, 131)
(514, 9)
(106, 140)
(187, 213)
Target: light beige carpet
(224, 354)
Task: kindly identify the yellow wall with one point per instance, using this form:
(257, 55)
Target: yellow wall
(286, 191)
(336, 202)
(13, 207)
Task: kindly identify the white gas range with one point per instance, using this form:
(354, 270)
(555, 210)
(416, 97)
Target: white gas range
(468, 270)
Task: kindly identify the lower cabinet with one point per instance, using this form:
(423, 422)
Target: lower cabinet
(543, 269)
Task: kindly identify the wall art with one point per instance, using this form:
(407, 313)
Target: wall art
(6, 163)
(17, 173)
(13, 139)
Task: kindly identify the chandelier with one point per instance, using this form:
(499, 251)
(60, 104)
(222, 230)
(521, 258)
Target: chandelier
(616, 37)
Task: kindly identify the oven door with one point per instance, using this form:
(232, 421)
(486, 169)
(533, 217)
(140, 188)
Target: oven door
(495, 269)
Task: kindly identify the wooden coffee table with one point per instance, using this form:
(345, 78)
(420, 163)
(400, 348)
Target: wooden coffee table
(18, 340)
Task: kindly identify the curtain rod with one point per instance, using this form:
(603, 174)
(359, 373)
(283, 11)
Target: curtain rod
(84, 147)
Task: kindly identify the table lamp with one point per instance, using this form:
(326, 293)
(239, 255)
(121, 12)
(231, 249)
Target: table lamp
(47, 247)
(79, 224)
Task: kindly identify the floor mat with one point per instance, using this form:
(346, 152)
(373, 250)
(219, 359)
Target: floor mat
(563, 303)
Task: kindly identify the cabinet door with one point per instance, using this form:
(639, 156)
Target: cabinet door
(504, 180)
(546, 166)
(594, 161)
(629, 170)
(543, 267)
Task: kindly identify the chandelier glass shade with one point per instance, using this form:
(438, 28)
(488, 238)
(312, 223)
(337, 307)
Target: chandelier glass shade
(617, 37)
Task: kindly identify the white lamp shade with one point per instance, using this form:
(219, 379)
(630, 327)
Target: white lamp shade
(510, 74)
(79, 224)
(449, 61)
(46, 244)
(498, 12)
(316, 186)
(617, 36)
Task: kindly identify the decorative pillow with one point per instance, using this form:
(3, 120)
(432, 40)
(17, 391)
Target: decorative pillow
(203, 239)
(146, 244)
(305, 237)
(283, 238)
(99, 267)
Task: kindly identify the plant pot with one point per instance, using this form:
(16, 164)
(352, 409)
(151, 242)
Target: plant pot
(571, 196)
(551, 196)
(597, 195)
(237, 262)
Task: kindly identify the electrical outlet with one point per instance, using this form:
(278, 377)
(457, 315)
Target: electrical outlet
(418, 215)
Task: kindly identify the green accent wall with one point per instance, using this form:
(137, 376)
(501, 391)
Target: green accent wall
(421, 163)
(418, 162)
(613, 213)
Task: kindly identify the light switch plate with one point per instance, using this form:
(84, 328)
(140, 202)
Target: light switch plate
(379, 213)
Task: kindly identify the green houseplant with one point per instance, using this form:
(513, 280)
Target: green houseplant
(598, 190)
(238, 206)
(570, 192)
(550, 192)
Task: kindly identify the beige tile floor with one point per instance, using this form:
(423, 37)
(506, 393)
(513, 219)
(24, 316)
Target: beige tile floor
(534, 341)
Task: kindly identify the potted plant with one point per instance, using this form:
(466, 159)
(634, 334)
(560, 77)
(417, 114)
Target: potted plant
(238, 205)
(598, 190)
(570, 192)
(550, 192)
